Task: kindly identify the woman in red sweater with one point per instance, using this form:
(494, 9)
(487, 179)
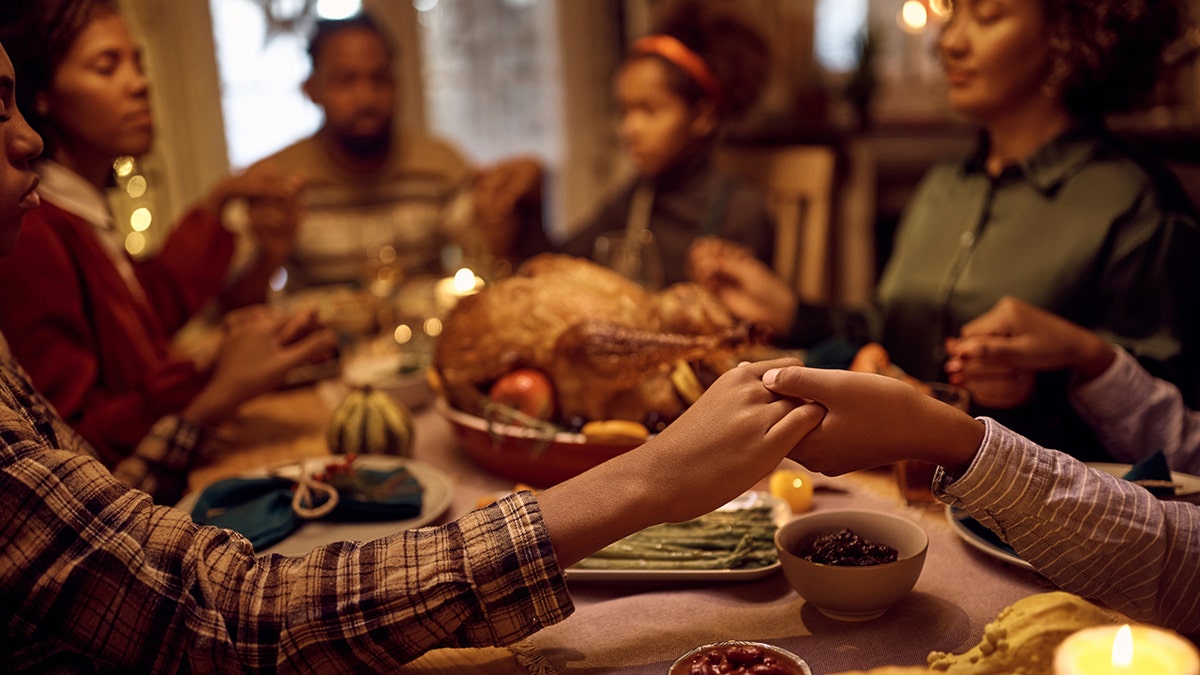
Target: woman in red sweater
(94, 327)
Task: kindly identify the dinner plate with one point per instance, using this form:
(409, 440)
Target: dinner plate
(1188, 486)
(981, 538)
(780, 513)
(438, 493)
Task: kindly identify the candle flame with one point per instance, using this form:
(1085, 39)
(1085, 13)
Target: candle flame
(464, 281)
(1122, 651)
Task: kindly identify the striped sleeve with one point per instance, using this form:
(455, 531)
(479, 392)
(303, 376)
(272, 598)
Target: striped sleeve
(1091, 534)
(1135, 413)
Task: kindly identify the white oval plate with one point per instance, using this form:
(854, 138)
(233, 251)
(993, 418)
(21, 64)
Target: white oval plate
(439, 492)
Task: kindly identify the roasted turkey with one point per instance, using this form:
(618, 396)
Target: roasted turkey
(607, 345)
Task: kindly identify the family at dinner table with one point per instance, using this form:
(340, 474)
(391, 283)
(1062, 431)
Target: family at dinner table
(1050, 274)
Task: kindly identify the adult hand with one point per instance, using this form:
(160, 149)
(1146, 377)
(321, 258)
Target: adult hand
(873, 420)
(259, 346)
(500, 191)
(1018, 335)
(732, 437)
(750, 289)
(734, 434)
(273, 205)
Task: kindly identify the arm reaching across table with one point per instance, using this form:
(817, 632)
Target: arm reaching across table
(1133, 552)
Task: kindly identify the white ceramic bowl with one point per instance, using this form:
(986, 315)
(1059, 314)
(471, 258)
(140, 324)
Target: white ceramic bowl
(784, 660)
(849, 593)
(404, 377)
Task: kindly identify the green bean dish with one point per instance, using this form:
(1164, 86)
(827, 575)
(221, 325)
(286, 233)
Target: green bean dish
(727, 539)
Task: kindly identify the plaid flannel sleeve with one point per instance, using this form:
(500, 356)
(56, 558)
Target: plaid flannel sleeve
(159, 464)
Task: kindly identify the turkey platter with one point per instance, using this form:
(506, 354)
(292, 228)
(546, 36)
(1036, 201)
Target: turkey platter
(609, 349)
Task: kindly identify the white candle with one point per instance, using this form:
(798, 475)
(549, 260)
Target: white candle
(1126, 650)
(452, 289)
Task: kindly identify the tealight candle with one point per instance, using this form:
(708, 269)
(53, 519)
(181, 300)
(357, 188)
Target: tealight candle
(452, 289)
(1126, 650)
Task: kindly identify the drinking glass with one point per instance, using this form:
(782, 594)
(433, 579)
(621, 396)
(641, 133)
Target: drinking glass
(915, 477)
(632, 255)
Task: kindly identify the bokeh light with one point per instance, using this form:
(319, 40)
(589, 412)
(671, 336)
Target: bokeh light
(338, 9)
(913, 16)
(136, 187)
(140, 219)
(403, 334)
(135, 243)
(123, 166)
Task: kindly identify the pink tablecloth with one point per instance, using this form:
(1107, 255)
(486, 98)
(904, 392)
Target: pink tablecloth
(642, 628)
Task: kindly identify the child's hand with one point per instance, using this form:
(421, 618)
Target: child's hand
(873, 420)
(749, 289)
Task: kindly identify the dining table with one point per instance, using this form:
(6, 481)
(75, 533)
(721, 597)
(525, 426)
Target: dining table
(643, 625)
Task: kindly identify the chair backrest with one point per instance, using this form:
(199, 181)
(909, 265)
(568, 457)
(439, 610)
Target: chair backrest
(799, 182)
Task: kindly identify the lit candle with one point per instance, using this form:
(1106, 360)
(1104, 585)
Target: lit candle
(452, 289)
(1126, 650)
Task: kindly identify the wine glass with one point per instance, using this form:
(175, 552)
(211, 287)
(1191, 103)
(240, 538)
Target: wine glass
(915, 477)
(634, 255)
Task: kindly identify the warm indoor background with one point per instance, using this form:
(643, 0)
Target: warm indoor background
(504, 77)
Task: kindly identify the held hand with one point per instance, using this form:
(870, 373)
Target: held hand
(736, 433)
(729, 439)
(273, 205)
(874, 420)
(262, 182)
(1017, 335)
(992, 385)
(500, 191)
(259, 347)
(273, 224)
(501, 187)
(749, 289)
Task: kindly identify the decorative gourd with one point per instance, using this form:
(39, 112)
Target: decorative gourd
(369, 421)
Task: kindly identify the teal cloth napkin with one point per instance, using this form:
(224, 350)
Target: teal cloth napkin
(1152, 467)
(261, 508)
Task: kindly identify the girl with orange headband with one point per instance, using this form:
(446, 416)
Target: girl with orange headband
(676, 89)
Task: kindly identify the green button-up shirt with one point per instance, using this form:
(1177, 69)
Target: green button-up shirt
(1080, 229)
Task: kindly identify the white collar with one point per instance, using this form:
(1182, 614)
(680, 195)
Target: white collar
(69, 191)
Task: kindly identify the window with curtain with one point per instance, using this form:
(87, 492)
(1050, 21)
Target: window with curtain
(262, 61)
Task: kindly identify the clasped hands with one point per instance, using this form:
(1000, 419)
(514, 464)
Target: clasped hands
(259, 346)
(997, 356)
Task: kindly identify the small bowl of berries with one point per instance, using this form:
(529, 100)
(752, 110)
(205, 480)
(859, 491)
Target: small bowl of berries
(852, 565)
(734, 657)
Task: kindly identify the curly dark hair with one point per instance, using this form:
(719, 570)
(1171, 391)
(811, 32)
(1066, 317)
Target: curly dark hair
(1108, 53)
(733, 48)
(37, 36)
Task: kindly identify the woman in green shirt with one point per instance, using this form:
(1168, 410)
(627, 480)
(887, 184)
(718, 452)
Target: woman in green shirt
(1050, 209)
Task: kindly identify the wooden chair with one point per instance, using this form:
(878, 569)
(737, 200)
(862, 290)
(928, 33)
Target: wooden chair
(798, 180)
(824, 264)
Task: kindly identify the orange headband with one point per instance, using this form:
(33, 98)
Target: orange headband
(687, 60)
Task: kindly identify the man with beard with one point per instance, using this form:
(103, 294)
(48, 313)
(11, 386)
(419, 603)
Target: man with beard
(371, 189)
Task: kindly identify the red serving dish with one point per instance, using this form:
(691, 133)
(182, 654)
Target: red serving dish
(526, 455)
